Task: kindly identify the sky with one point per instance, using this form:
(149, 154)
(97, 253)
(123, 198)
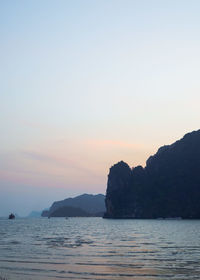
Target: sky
(87, 83)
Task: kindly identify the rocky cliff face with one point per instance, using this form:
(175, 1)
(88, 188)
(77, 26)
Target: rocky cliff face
(118, 184)
(169, 185)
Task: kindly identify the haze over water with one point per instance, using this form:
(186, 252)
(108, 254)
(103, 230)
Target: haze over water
(95, 248)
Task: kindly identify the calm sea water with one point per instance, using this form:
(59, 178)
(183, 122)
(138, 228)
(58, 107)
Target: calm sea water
(94, 248)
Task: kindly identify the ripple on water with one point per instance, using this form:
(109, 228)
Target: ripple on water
(93, 248)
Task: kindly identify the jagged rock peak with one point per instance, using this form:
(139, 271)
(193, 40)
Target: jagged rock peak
(120, 165)
(189, 141)
(118, 176)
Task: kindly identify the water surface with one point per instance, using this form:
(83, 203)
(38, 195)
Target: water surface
(95, 248)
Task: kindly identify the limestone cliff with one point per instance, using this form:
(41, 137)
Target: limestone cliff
(169, 185)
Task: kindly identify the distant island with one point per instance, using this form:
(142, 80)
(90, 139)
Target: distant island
(168, 187)
(85, 205)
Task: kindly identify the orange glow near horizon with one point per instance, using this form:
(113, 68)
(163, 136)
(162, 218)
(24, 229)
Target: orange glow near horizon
(84, 163)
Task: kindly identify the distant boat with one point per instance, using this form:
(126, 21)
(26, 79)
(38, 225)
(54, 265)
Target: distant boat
(11, 216)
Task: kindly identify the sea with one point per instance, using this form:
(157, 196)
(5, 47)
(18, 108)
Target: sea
(96, 248)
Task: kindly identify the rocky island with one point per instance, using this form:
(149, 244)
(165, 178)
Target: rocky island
(168, 187)
(85, 205)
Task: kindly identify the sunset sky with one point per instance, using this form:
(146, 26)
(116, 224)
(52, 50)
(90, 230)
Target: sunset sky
(87, 83)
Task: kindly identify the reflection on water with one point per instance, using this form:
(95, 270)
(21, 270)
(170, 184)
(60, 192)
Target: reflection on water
(94, 248)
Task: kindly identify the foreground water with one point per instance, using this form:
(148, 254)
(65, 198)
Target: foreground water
(94, 248)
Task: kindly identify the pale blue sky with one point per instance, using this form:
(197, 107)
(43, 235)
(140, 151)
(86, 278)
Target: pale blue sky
(84, 84)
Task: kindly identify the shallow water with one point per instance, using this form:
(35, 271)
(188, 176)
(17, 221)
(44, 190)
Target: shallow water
(95, 248)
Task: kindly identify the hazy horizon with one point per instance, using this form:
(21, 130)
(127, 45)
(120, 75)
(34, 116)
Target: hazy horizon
(85, 84)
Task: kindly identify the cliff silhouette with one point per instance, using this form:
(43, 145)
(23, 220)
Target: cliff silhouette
(168, 187)
(85, 205)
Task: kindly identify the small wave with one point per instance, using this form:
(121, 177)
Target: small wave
(33, 262)
(15, 242)
(66, 242)
(121, 274)
(135, 266)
